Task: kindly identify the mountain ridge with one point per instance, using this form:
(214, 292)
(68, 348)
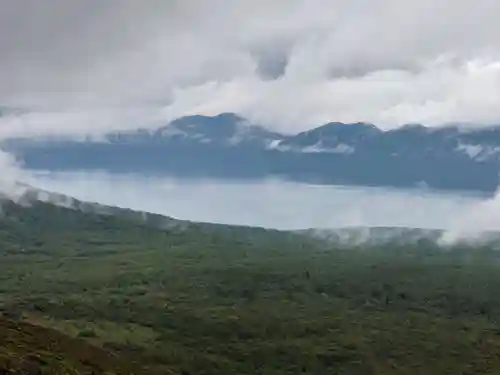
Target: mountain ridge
(347, 237)
(227, 146)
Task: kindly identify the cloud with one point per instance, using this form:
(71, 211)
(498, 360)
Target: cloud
(268, 203)
(474, 221)
(11, 174)
(289, 64)
(78, 122)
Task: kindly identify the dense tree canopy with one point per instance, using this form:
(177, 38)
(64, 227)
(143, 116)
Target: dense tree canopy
(195, 299)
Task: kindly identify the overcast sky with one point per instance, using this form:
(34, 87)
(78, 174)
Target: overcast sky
(87, 65)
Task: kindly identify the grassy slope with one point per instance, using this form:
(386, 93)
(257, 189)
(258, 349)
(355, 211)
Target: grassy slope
(206, 300)
(30, 349)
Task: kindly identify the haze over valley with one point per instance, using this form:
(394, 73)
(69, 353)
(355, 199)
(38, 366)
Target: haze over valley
(270, 203)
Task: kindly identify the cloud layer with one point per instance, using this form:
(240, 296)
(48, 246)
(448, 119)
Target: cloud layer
(89, 65)
(268, 203)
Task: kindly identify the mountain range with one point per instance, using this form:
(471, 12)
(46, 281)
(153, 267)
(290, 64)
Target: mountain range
(227, 146)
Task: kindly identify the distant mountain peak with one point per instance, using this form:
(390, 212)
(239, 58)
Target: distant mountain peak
(412, 127)
(344, 127)
(227, 128)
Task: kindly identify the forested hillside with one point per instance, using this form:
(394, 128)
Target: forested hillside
(195, 299)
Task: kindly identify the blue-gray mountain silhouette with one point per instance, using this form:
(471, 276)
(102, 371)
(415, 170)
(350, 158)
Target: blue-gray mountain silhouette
(227, 146)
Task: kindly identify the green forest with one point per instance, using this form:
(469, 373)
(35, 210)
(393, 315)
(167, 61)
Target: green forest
(192, 299)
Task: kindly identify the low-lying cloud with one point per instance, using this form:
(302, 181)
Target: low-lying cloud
(275, 203)
(11, 173)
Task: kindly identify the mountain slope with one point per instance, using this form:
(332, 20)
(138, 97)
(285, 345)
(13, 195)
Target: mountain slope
(63, 211)
(210, 300)
(227, 146)
(27, 349)
(45, 211)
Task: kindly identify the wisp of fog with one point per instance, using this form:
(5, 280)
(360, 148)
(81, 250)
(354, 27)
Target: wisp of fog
(10, 177)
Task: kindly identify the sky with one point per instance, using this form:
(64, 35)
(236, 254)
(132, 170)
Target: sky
(89, 66)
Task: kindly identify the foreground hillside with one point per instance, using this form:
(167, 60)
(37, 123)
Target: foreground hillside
(27, 349)
(192, 299)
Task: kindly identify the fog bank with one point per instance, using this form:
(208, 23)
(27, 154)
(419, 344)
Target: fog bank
(277, 204)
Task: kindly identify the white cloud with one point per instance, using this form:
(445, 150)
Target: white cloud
(11, 174)
(290, 64)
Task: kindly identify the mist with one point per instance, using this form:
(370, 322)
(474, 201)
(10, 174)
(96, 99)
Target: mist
(11, 174)
(278, 204)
